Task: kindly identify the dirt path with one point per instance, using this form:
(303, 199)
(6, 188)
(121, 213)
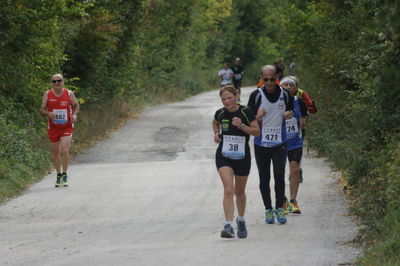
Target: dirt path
(150, 195)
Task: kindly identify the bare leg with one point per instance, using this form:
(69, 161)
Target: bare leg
(65, 144)
(240, 186)
(226, 174)
(56, 153)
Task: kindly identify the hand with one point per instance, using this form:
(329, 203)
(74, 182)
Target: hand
(261, 112)
(237, 122)
(74, 118)
(217, 137)
(51, 115)
(303, 122)
(288, 115)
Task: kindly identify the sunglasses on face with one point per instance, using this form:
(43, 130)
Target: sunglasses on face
(269, 79)
(57, 80)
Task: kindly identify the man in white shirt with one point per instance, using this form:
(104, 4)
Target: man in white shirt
(225, 75)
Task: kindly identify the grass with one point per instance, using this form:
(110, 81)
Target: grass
(96, 122)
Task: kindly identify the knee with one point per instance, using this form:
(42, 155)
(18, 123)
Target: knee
(64, 151)
(240, 193)
(229, 191)
(56, 152)
(294, 167)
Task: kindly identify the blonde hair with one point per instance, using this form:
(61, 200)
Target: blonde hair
(229, 88)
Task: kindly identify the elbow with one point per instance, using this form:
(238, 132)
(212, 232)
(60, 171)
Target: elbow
(257, 133)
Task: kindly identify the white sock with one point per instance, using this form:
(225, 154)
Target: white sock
(241, 218)
(229, 222)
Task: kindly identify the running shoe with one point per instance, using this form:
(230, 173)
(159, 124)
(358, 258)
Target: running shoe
(294, 208)
(285, 206)
(300, 175)
(242, 231)
(64, 181)
(228, 232)
(280, 216)
(58, 181)
(269, 216)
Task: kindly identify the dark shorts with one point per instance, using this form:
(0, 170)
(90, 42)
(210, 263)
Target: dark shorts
(237, 83)
(239, 167)
(295, 155)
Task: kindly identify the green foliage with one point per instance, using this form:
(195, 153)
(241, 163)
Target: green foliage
(382, 211)
(115, 56)
(256, 40)
(351, 66)
(121, 54)
(22, 156)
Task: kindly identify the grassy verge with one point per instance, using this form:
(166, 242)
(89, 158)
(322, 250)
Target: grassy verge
(371, 176)
(25, 150)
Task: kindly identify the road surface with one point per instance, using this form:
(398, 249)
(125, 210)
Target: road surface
(150, 195)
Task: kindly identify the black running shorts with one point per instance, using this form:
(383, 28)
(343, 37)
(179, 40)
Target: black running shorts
(295, 155)
(240, 167)
(237, 83)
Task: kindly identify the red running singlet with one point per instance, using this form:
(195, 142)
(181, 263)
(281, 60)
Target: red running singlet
(61, 106)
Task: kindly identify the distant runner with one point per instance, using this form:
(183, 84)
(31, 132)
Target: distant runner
(280, 67)
(295, 142)
(61, 108)
(225, 74)
(292, 67)
(272, 105)
(238, 72)
(232, 126)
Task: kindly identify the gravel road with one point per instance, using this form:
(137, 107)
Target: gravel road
(150, 195)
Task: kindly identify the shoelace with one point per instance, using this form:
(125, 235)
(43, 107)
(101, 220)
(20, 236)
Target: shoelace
(227, 227)
(241, 225)
(269, 215)
(280, 213)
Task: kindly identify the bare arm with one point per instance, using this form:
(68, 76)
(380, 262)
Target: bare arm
(43, 108)
(217, 131)
(74, 106)
(252, 129)
(260, 114)
(303, 121)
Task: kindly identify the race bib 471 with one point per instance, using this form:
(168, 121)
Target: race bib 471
(271, 136)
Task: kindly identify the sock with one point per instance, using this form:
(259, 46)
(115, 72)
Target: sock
(292, 200)
(229, 222)
(59, 174)
(241, 218)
